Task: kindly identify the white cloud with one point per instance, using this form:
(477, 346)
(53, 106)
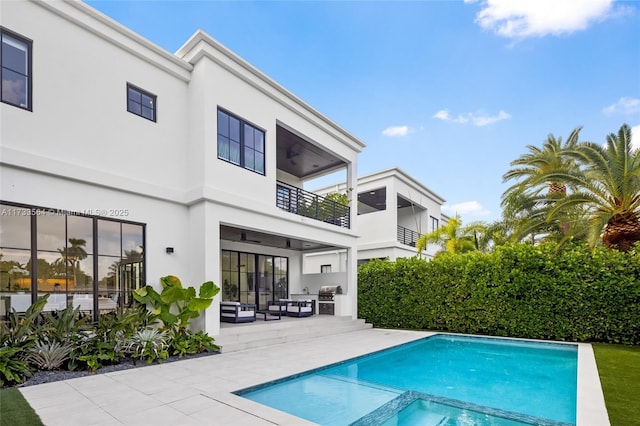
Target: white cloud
(624, 105)
(483, 120)
(635, 137)
(466, 207)
(395, 131)
(478, 118)
(443, 114)
(538, 18)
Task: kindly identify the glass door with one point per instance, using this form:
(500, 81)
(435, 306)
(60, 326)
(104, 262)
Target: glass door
(265, 280)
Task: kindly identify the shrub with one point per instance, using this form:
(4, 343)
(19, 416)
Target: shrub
(99, 346)
(13, 369)
(520, 290)
(190, 343)
(46, 355)
(176, 306)
(149, 344)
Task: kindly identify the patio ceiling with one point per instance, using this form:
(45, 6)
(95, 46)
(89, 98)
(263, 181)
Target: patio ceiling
(230, 233)
(376, 199)
(301, 158)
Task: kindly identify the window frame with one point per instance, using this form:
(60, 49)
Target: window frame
(242, 125)
(435, 223)
(29, 76)
(146, 93)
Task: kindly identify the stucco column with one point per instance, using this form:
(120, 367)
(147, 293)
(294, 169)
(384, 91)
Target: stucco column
(352, 279)
(205, 246)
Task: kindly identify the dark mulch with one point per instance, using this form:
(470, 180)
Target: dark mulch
(41, 377)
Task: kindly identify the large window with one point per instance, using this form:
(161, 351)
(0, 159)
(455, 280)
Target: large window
(15, 65)
(142, 103)
(85, 262)
(240, 143)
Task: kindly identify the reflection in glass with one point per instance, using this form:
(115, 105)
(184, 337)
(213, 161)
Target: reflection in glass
(281, 284)
(108, 281)
(15, 227)
(81, 228)
(109, 238)
(50, 232)
(63, 260)
(265, 280)
(15, 272)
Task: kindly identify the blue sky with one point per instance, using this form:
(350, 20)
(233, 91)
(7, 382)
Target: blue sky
(449, 91)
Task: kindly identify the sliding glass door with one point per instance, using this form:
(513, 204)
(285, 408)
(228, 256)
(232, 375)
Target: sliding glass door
(254, 278)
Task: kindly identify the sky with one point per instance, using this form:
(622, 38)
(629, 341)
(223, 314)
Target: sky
(449, 91)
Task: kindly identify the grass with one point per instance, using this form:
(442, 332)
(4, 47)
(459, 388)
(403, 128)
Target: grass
(619, 370)
(15, 410)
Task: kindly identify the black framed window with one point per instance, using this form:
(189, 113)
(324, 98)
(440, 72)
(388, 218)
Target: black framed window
(142, 103)
(240, 143)
(15, 66)
(434, 223)
(88, 262)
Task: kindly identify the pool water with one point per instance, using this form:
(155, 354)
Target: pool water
(439, 380)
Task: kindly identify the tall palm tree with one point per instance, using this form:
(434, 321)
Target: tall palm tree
(453, 237)
(608, 185)
(531, 167)
(526, 201)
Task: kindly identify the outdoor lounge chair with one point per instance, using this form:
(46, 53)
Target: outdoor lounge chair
(300, 308)
(237, 312)
(275, 306)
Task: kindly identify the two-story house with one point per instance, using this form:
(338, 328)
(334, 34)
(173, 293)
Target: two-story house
(121, 163)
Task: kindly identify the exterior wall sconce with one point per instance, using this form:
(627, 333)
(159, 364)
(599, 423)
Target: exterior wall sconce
(169, 250)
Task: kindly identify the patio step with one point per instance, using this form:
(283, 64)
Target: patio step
(238, 337)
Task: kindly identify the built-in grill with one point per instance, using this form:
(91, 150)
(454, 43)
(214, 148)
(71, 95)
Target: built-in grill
(326, 299)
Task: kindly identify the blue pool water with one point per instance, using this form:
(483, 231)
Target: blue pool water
(439, 380)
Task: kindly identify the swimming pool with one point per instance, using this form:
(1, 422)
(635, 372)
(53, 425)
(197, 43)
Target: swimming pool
(435, 380)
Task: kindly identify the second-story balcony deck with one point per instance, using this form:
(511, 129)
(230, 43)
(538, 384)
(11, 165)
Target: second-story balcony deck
(304, 203)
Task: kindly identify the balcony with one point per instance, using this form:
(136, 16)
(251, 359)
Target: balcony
(407, 236)
(304, 203)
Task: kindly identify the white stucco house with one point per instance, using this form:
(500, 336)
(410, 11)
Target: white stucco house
(394, 209)
(121, 163)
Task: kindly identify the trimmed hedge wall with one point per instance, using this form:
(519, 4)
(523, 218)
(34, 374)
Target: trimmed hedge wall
(520, 290)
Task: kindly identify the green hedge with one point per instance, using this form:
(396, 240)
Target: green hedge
(519, 290)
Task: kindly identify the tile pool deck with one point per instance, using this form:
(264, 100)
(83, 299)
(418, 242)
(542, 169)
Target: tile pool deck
(198, 391)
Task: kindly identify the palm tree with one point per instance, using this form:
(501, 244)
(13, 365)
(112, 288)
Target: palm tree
(532, 166)
(608, 186)
(73, 254)
(453, 237)
(526, 202)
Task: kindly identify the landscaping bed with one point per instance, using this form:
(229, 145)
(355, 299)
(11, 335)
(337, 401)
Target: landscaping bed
(41, 377)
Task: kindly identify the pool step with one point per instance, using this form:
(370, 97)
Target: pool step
(237, 337)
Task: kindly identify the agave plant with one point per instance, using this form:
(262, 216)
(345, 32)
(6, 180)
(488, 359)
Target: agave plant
(149, 344)
(47, 355)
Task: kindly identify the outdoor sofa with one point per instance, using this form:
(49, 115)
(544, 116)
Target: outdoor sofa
(237, 312)
(300, 308)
